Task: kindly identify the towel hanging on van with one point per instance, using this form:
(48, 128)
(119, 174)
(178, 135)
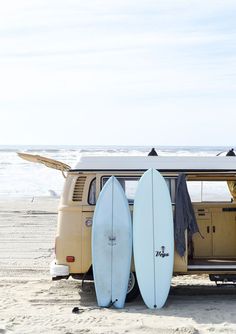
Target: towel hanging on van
(184, 217)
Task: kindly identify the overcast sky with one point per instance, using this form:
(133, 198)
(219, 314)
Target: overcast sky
(123, 72)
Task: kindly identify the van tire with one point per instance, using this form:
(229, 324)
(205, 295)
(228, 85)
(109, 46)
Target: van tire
(133, 289)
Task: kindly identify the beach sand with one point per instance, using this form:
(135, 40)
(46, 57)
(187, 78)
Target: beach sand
(30, 302)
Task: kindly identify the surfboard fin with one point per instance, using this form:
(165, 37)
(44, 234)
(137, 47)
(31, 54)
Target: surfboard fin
(112, 303)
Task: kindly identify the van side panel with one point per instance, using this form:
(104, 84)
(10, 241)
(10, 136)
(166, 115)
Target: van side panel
(69, 236)
(73, 236)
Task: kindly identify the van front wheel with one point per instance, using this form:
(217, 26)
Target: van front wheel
(133, 289)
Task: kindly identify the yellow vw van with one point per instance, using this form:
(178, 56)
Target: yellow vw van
(211, 184)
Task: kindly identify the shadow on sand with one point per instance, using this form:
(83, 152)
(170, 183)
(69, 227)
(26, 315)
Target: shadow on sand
(204, 304)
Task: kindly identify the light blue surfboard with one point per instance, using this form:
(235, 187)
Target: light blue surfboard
(153, 238)
(111, 245)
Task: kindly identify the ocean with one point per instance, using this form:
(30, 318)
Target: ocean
(20, 178)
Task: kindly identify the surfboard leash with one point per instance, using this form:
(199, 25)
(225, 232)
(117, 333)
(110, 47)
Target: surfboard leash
(112, 303)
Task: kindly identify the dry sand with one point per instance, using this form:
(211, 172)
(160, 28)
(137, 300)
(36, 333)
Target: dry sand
(32, 303)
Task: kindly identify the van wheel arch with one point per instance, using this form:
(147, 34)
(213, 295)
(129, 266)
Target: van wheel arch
(133, 289)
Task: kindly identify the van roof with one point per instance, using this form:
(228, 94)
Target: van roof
(166, 163)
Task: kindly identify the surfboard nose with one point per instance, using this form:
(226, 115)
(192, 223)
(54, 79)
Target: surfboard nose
(150, 170)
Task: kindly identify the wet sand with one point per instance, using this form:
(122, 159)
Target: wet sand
(32, 303)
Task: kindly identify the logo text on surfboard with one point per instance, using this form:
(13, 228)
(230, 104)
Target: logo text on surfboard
(161, 253)
(112, 241)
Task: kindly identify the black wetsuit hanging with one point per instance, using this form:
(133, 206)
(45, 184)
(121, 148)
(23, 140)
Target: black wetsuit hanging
(184, 215)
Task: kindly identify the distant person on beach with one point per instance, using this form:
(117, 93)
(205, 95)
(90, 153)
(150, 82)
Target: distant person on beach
(152, 152)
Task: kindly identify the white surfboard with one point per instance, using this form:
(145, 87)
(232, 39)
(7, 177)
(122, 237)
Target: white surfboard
(111, 245)
(153, 238)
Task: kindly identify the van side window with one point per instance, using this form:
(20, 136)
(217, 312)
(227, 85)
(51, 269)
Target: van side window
(92, 193)
(209, 191)
(129, 185)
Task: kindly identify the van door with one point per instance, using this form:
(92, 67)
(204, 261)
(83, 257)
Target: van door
(87, 219)
(203, 243)
(224, 232)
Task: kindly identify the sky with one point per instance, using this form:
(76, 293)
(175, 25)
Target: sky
(125, 72)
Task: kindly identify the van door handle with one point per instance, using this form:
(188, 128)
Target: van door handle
(214, 229)
(208, 229)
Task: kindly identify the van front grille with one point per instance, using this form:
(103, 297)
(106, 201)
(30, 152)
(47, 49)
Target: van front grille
(78, 190)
